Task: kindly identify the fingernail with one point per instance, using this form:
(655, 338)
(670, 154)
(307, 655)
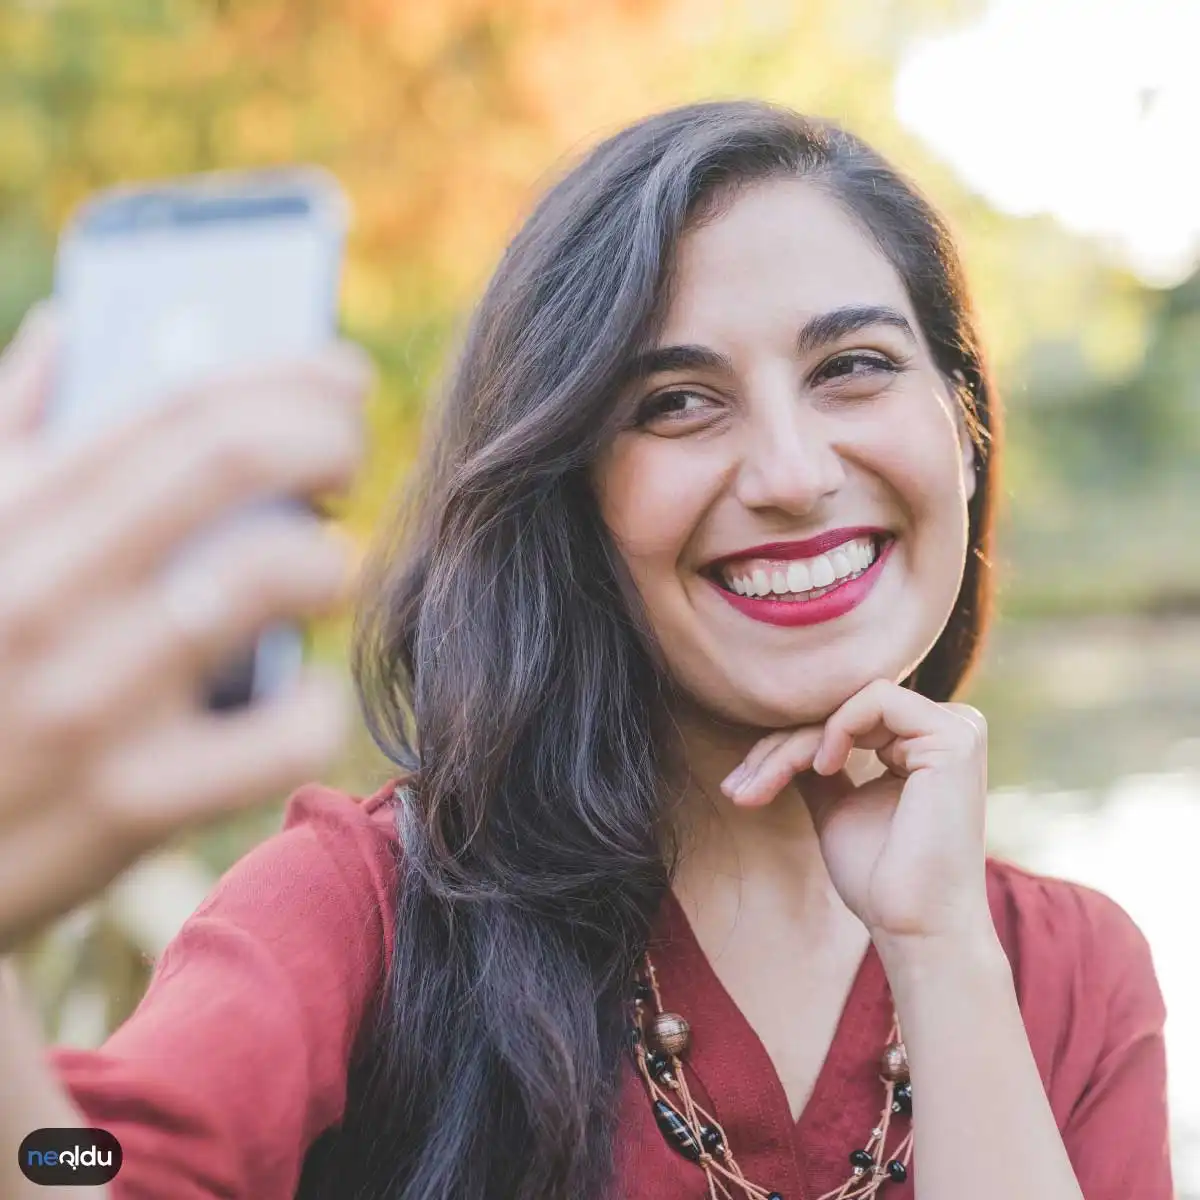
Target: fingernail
(734, 780)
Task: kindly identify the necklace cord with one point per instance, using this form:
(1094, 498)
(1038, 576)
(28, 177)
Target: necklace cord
(659, 1045)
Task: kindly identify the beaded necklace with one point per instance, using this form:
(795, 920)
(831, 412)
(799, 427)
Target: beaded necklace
(659, 1045)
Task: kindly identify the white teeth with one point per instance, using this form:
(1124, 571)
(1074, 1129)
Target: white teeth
(798, 576)
(823, 573)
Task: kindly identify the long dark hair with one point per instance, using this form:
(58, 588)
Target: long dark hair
(500, 648)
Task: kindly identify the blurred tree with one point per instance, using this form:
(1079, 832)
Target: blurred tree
(1115, 476)
(442, 120)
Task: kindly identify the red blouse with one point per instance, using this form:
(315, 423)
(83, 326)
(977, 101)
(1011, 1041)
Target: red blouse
(236, 1059)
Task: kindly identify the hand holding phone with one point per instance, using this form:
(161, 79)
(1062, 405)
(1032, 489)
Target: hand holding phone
(104, 752)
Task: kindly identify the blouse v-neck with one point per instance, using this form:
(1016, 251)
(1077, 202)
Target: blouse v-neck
(732, 1075)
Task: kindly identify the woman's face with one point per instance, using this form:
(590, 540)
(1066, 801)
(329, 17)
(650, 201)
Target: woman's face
(789, 487)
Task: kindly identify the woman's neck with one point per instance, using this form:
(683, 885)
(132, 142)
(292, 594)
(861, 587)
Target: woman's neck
(755, 862)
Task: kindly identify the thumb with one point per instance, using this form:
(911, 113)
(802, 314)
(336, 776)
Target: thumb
(26, 372)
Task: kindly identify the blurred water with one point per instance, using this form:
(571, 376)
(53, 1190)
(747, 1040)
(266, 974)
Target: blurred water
(1078, 702)
(1136, 843)
(1104, 716)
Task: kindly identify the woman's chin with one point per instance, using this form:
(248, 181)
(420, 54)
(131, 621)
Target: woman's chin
(749, 702)
(752, 709)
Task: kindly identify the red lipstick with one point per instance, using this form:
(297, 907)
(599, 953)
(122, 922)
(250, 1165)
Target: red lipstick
(807, 548)
(836, 602)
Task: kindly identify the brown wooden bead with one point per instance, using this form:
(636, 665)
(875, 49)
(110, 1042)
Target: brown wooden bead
(670, 1033)
(894, 1064)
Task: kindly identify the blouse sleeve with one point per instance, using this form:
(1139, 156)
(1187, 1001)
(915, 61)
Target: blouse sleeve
(236, 1059)
(1117, 1132)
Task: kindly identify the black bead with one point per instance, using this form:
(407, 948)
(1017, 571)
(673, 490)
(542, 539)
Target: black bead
(659, 1065)
(902, 1099)
(774, 1196)
(676, 1131)
(860, 1158)
(897, 1170)
(710, 1138)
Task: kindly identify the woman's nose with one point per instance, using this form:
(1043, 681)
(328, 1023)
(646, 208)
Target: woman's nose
(789, 460)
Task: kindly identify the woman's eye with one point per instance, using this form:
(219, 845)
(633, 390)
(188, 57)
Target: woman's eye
(856, 365)
(676, 403)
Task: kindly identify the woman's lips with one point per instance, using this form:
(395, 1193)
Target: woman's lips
(836, 602)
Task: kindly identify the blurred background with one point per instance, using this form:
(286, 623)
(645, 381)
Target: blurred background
(1053, 133)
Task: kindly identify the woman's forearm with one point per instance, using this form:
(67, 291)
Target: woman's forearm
(982, 1123)
(30, 1096)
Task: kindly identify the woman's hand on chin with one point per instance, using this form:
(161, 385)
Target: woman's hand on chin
(905, 850)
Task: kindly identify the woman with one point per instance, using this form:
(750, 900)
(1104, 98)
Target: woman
(685, 893)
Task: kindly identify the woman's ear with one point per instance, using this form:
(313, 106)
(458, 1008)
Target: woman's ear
(967, 447)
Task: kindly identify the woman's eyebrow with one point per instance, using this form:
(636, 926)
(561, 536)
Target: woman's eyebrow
(818, 331)
(840, 322)
(662, 359)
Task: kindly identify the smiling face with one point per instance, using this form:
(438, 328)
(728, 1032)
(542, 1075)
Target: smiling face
(789, 435)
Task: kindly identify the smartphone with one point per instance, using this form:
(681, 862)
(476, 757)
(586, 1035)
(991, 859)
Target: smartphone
(160, 285)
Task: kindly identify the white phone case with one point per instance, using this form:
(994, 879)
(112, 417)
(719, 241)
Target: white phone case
(160, 285)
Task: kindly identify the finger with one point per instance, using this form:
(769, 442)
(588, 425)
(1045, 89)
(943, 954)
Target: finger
(764, 747)
(972, 716)
(895, 756)
(26, 371)
(877, 737)
(219, 766)
(176, 434)
(758, 752)
(750, 763)
(776, 770)
(222, 764)
(881, 707)
(161, 501)
(135, 648)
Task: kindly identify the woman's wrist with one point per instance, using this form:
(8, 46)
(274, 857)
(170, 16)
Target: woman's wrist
(975, 1082)
(973, 952)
